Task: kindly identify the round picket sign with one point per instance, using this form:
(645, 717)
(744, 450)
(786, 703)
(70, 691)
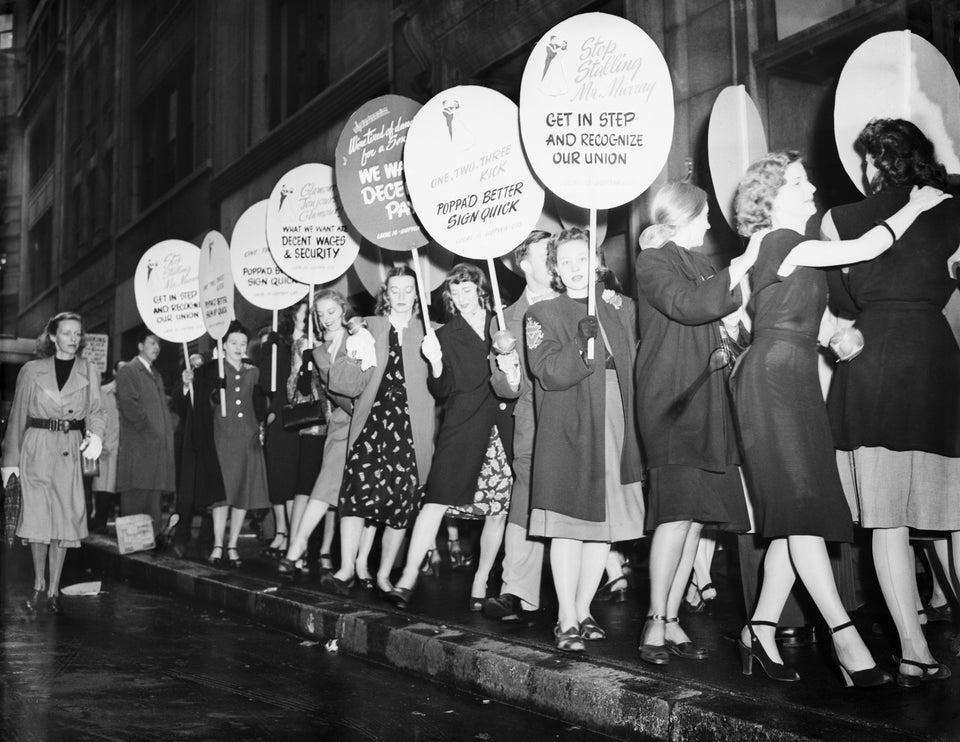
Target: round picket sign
(735, 138)
(216, 284)
(306, 231)
(467, 176)
(256, 274)
(596, 110)
(897, 75)
(369, 166)
(167, 289)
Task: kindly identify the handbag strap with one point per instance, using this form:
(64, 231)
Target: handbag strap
(722, 335)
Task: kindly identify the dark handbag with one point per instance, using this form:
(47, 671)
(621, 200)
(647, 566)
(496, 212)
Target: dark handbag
(12, 504)
(296, 417)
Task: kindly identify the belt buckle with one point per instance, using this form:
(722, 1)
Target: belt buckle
(63, 426)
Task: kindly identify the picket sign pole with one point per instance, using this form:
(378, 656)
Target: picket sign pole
(495, 287)
(186, 364)
(223, 376)
(592, 273)
(273, 358)
(421, 289)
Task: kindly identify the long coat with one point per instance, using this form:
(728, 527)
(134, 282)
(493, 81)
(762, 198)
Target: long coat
(201, 481)
(568, 458)
(106, 481)
(679, 301)
(524, 423)
(146, 458)
(471, 412)
(50, 477)
(347, 379)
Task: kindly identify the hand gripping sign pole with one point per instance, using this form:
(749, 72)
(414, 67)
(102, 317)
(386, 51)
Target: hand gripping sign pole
(596, 114)
(370, 168)
(468, 178)
(166, 285)
(306, 230)
(216, 297)
(256, 274)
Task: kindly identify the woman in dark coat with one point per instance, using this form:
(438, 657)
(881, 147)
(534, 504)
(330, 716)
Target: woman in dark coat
(684, 305)
(470, 474)
(57, 397)
(895, 408)
(587, 470)
(788, 451)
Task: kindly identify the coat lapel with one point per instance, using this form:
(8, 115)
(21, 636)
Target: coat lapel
(46, 379)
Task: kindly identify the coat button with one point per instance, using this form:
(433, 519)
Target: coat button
(239, 414)
(503, 405)
(237, 402)
(236, 389)
(66, 453)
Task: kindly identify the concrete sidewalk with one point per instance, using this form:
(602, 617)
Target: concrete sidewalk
(607, 690)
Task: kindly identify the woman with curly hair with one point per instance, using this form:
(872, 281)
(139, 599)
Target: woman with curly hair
(788, 451)
(57, 398)
(895, 409)
(587, 470)
(470, 474)
(391, 433)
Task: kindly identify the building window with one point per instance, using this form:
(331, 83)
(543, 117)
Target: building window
(299, 54)
(166, 130)
(41, 145)
(40, 256)
(6, 31)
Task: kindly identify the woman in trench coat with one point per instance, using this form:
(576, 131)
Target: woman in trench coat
(57, 397)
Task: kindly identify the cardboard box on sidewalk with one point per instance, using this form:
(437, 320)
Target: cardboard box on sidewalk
(135, 533)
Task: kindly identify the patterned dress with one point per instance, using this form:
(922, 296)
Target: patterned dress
(380, 482)
(494, 484)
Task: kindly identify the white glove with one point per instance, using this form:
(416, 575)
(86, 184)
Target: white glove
(509, 364)
(847, 343)
(362, 346)
(8, 471)
(92, 446)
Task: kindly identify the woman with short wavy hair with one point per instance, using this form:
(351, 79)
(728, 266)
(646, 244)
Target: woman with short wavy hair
(788, 452)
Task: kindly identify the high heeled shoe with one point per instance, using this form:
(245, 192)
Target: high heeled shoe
(870, 677)
(288, 568)
(33, 603)
(233, 557)
(277, 552)
(940, 672)
(458, 559)
(400, 596)
(774, 670)
(614, 591)
(568, 640)
(216, 556)
(687, 650)
(333, 584)
(655, 654)
(431, 564)
(53, 605)
(699, 604)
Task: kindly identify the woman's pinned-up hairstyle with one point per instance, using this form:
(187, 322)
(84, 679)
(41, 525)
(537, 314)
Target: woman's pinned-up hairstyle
(466, 273)
(383, 295)
(758, 189)
(574, 234)
(675, 206)
(902, 154)
(332, 295)
(45, 346)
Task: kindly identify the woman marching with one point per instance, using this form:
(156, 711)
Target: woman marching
(57, 397)
(331, 312)
(686, 311)
(895, 410)
(586, 465)
(236, 435)
(470, 473)
(391, 435)
(788, 450)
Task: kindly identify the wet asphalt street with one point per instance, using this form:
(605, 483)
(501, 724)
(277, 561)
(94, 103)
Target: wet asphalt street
(128, 665)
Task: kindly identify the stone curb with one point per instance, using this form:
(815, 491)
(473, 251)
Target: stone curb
(581, 691)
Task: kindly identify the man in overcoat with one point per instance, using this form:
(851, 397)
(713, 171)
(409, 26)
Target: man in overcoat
(145, 465)
(523, 556)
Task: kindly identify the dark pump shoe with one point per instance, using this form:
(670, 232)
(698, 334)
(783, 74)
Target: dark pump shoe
(337, 586)
(506, 607)
(53, 605)
(34, 603)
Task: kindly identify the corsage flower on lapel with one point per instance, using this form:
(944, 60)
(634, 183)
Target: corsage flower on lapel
(534, 333)
(612, 298)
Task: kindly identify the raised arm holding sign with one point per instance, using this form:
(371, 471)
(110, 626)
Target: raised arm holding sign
(596, 113)
(468, 178)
